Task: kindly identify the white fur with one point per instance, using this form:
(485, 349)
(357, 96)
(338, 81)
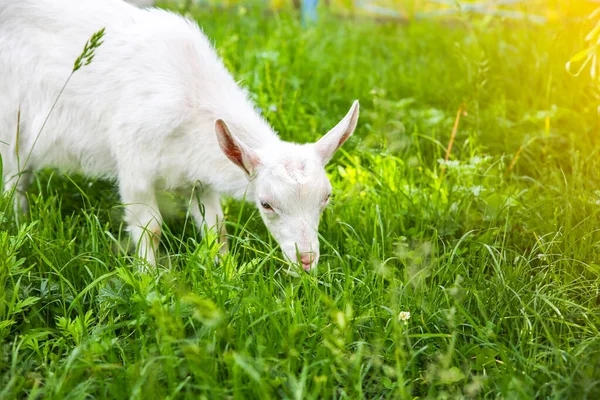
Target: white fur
(143, 113)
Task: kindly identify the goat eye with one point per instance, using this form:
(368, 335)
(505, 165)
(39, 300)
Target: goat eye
(327, 198)
(266, 205)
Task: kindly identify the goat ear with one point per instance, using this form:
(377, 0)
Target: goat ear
(335, 138)
(240, 154)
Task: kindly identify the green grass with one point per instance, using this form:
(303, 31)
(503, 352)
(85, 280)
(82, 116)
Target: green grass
(497, 264)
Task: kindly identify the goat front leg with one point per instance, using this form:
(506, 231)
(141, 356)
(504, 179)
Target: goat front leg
(142, 217)
(208, 214)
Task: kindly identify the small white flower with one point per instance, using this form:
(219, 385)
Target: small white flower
(476, 160)
(449, 163)
(273, 108)
(404, 316)
(476, 190)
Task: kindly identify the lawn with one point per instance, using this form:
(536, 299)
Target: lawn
(495, 252)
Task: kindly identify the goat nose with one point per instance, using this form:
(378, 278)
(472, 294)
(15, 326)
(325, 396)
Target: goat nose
(307, 259)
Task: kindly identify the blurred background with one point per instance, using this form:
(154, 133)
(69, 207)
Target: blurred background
(535, 10)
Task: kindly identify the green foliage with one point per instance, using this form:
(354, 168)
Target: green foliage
(496, 260)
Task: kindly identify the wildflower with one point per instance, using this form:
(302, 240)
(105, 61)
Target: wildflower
(404, 316)
(476, 190)
(273, 108)
(476, 160)
(449, 163)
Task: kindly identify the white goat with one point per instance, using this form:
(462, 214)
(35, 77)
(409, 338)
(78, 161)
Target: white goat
(156, 110)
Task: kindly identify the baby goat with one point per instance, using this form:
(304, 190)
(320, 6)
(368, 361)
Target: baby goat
(156, 110)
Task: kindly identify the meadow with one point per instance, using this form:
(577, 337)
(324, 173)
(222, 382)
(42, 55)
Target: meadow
(494, 252)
